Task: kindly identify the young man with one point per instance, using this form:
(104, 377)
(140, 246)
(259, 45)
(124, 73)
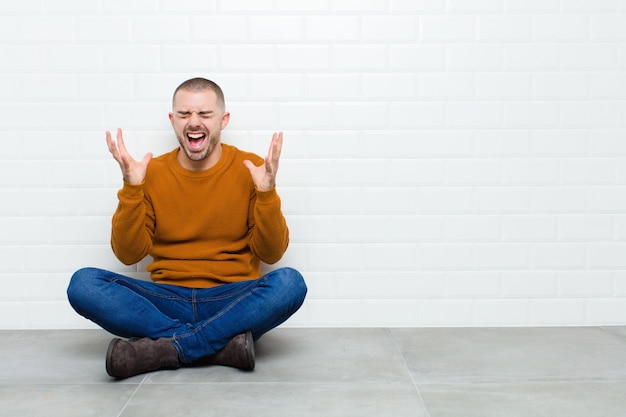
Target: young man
(208, 214)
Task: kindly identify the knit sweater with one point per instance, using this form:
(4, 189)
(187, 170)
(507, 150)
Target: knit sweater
(201, 228)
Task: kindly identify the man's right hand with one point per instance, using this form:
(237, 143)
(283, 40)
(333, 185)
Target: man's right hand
(134, 172)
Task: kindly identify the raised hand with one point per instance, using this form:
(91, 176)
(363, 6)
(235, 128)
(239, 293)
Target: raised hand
(134, 172)
(264, 175)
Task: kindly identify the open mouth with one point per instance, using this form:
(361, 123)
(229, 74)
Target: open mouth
(196, 140)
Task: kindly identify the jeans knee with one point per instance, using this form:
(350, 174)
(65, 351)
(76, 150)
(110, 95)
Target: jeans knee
(293, 282)
(80, 285)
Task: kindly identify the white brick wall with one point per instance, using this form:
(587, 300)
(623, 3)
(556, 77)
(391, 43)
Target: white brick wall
(447, 162)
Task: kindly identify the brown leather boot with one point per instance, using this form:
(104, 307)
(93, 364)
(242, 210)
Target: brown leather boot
(238, 353)
(125, 359)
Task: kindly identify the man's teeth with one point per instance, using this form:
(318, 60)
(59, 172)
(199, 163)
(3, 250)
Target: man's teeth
(196, 135)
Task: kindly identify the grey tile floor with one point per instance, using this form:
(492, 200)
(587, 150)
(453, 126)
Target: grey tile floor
(430, 372)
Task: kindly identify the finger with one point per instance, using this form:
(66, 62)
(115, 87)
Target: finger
(120, 142)
(111, 145)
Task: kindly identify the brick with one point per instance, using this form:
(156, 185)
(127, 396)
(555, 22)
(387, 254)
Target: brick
(187, 6)
(246, 6)
(583, 114)
(332, 28)
(468, 285)
(559, 200)
(416, 228)
(586, 228)
(359, 172)
(475, 6)
(474, 114)
(558, 312)
(136, 6)
(447, 28)
(389, 257)
(366, 57)
(464, 228)
(607, 255)
(529, 228)
(275, 28)
(504, 28)
(559, 256)
(448, 200)
(389, 28)
(561, 27)
(582, 284)
(529, 284)
(590, 56)
(503, 85)
(423, 6)
(349, 229)
(588, 171)
(441, 86)
(389, 86)
(445, 143)
(20, 59)
(526, 171)
(531, 5)
(43, 87)
(333, 86)
(356, 5)
(131, 58)
(304, 57)
(501, 200)
(531, 57)
(412, 172)
(276, 86)
(474, 172)
(416, 57)
(411, 115)
(446, 312)
(360, 115)
(472, 57)
(590, 5)
(222, 28)
(445, 257)
(561, 85)
(502, 142)
(525, 114)
(45, 29)
(607, 85)
(103, 29)
(246, 57)
(560, 142)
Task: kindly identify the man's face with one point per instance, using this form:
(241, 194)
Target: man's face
(198, 120)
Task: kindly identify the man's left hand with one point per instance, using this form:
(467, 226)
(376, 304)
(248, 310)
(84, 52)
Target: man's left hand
(264, 176)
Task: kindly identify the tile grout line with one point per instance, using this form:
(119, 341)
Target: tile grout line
(406, 365)
(131, 396)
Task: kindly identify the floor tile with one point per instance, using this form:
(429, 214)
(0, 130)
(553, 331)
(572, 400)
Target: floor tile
(54, 356)
(276, 400)
(87, 400)
(309, 355)
(511, 354)
(538, 399)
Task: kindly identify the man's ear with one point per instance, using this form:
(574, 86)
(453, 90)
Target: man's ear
(171, 116)
(225, 119)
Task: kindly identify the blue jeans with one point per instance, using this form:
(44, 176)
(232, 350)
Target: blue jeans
(200, 321)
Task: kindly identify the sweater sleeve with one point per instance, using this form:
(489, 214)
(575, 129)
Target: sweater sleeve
(132, 225)
(269, 234)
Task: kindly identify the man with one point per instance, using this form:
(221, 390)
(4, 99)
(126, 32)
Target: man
(208, 214)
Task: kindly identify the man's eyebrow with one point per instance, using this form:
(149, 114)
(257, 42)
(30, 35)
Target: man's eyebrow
(200, 112)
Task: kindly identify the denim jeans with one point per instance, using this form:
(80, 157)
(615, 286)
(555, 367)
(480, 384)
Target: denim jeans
(199, 320)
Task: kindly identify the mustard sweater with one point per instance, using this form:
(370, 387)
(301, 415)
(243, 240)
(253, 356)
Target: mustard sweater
(201, 229)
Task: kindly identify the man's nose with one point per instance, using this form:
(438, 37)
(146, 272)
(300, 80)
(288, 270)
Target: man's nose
(194, 119)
